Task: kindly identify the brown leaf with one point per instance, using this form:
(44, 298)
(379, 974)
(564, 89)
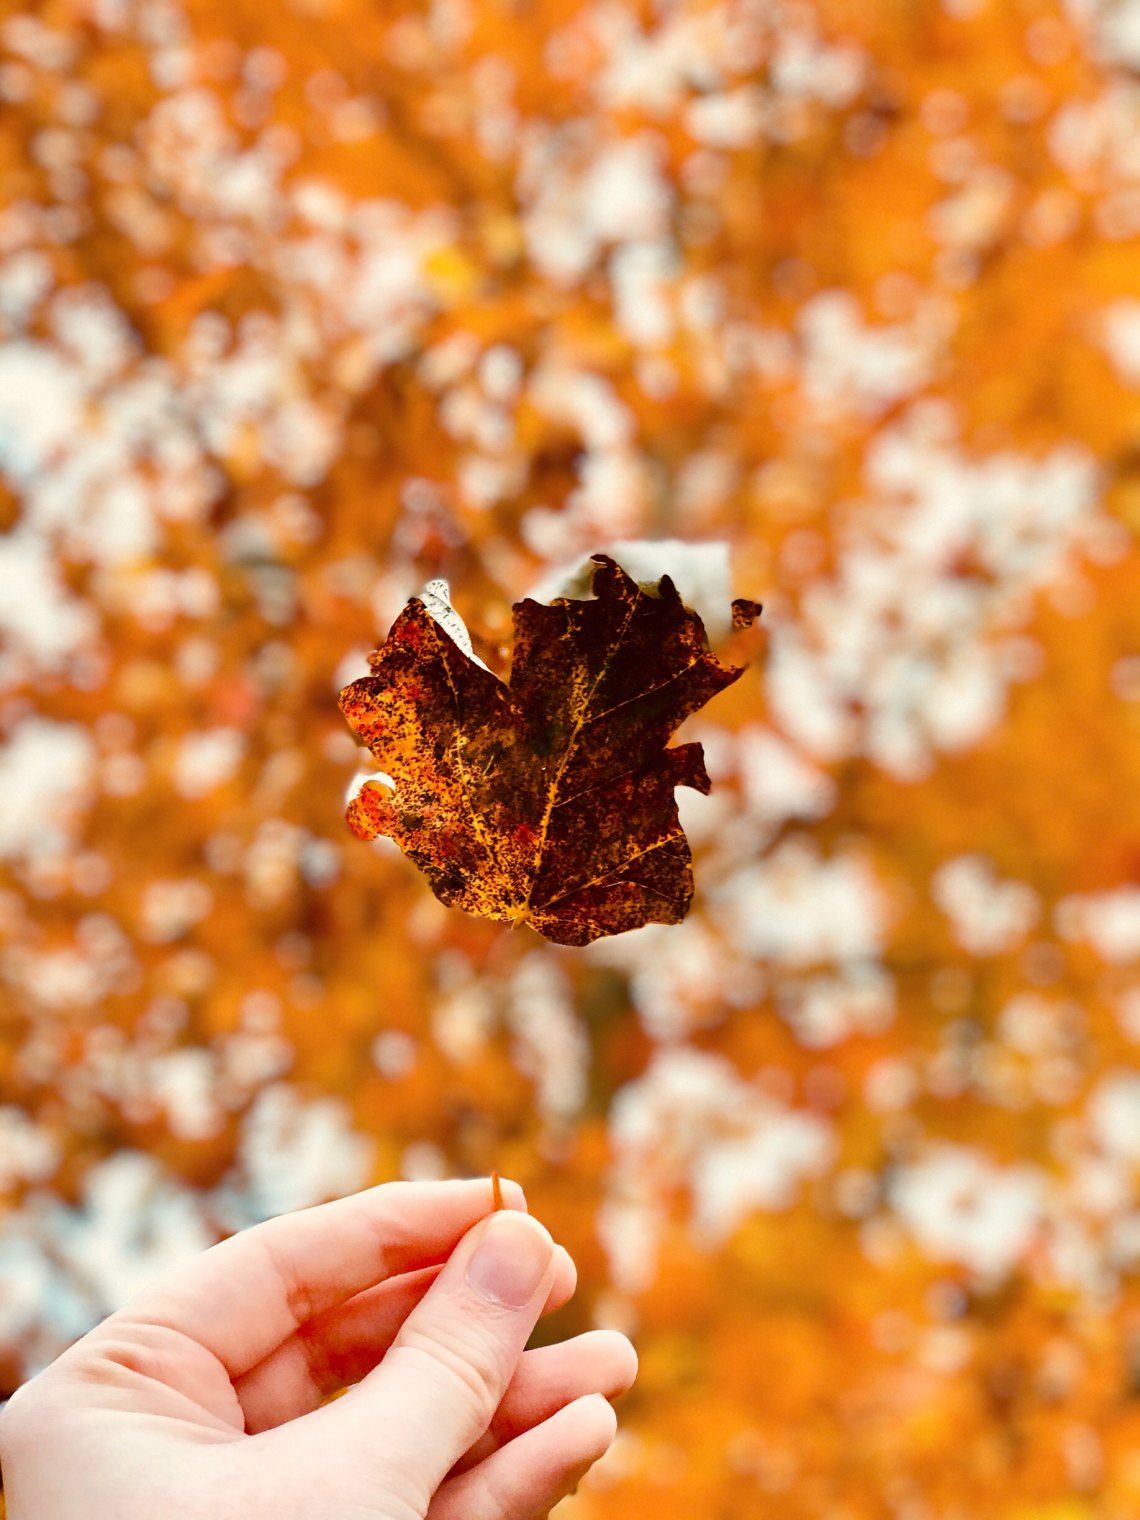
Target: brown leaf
(547, 801)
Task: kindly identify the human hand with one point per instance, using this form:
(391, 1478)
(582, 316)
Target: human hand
(202, 1398)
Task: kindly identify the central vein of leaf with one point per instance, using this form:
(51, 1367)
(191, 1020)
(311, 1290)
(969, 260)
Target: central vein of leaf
(583, 707)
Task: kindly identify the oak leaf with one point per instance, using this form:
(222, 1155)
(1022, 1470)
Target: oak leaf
(547, 800)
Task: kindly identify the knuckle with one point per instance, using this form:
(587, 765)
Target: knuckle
(121, 1352)
(456, 1353)
(117, 1361)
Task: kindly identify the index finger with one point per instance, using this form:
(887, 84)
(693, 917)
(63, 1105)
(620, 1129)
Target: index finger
(244, 1296)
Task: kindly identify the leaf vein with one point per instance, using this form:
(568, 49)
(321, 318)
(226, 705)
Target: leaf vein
(608, 875)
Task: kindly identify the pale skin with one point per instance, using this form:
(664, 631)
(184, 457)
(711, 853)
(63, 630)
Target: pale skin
(206, 1397)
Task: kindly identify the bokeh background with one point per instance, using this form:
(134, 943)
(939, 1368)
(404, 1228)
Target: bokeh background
(305, 303)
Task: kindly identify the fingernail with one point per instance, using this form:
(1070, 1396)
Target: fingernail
(511, 1259)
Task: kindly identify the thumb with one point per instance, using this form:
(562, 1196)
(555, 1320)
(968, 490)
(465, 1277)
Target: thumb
(433, 1395)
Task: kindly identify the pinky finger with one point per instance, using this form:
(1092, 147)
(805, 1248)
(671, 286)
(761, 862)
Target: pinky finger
(524, 1479)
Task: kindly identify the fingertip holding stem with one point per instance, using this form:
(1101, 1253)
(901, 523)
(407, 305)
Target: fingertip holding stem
(506, 1194)
(513, 1257)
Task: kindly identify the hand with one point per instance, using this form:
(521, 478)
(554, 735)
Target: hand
(203, 1399)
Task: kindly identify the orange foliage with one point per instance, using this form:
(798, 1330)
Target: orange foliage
(305, 305)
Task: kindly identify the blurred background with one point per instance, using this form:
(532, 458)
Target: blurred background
(303, 304)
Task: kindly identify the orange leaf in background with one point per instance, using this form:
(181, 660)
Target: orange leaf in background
(547, 801)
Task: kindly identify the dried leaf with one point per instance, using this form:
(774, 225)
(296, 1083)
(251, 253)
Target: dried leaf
(547, 801)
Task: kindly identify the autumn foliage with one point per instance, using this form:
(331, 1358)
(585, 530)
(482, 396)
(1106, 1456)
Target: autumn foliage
(306, 305)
